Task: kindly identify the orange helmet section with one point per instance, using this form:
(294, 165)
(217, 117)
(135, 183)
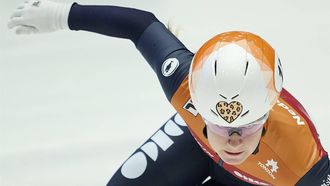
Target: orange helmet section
(253, 44)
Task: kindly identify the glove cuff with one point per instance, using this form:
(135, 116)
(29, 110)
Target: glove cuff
(62, 16)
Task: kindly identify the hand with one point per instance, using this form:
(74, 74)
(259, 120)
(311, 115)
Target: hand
(39, 16)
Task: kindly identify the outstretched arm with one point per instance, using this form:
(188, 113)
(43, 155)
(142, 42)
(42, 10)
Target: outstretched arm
(150, 36)
(112, 21)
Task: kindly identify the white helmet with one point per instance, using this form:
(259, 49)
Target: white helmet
(235, 78)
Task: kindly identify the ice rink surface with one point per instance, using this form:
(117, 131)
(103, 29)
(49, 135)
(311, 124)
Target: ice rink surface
(75, 105)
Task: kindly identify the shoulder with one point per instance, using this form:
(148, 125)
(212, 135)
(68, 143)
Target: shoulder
(290, 116)
(167, 56)
(173, 71)
(292, 135)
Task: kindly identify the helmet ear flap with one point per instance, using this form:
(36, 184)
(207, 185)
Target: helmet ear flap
(278, 74)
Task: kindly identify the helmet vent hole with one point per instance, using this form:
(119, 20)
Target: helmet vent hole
(245, 113)
(246, 67)
(280, 72)
(215, 68)
(214, 112)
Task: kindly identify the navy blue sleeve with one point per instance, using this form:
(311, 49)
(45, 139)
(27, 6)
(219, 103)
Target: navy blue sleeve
(318, 175)
(112, 21)
(168, 57)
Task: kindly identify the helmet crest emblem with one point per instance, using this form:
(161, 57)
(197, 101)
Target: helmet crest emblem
(229, 111)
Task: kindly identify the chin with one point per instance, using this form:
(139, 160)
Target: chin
(233, 160)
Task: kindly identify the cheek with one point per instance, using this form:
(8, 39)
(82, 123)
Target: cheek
(252, 141)
(217, 142)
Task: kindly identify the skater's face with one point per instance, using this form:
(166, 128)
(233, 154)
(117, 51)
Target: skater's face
(234, 149)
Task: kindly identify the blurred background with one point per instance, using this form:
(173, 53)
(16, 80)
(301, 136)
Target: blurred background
(75, 105)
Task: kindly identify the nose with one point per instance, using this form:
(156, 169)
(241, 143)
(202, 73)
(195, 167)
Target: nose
(235, 140)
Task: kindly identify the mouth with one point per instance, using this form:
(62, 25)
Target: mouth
(233, 153)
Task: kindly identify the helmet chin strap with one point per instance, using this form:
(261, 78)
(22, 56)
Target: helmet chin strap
(232, 131)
